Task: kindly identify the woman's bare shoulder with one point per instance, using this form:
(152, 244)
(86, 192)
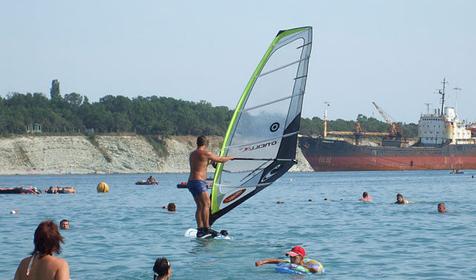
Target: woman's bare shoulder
(57, 260)
(21, 270)
(25, 261)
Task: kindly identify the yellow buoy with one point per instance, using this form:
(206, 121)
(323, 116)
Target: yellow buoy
(103, 187)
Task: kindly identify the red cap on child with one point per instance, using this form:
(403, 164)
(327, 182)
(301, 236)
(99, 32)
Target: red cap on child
(297, 250)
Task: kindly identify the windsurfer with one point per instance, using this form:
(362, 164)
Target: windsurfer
(199, 160)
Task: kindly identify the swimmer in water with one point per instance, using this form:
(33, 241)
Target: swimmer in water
(162, 269)
(401, 199)
(296, 256)
(171, 207)
(42, 265)
(64, 224)
(366, 197)
(56, 189)
(151, 180)
(441, 207)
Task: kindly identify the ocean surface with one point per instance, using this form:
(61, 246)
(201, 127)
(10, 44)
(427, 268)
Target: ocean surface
(118, 235)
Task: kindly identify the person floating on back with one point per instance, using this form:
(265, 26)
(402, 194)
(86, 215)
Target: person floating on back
(297, 261)
(162, 269)
(441, 207)
(401, 199)
(199, 160)
(42, 264)
(63, 190)
(366, 197)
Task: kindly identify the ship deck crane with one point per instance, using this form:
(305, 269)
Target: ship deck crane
(358, 133)
(395, 130)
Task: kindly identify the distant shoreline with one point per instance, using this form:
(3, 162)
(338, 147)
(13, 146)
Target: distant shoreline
(103, 154)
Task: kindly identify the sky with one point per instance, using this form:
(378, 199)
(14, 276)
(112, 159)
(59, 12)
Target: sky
(393, 52)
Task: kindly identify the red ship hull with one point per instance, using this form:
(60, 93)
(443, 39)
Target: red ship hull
(362, 163)
(338, 155)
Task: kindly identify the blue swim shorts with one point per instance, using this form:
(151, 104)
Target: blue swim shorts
(196, 187)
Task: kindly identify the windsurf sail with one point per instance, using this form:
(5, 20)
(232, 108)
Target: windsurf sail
(262, 134)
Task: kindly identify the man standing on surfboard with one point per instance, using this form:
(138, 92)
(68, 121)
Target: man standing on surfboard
(199, 160)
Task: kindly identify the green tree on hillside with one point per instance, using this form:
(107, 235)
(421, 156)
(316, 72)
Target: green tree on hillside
(152, 115)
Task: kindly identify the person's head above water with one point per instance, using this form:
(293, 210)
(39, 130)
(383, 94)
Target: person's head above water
(202, 141)
(441, 207)
(64, 224)
(171, 207)
(296, 255)
(162, 269)
(400, 199)
(366, 197)
(47, 239)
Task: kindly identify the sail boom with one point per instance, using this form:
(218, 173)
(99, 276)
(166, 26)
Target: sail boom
(267, 159)
(263, 140)
(242, 187)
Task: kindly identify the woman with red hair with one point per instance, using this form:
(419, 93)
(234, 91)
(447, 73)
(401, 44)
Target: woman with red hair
(42, 265)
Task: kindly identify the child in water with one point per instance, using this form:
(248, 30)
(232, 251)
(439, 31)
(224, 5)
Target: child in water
(296, 258)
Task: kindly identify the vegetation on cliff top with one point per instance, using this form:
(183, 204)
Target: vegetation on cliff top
(73, 113)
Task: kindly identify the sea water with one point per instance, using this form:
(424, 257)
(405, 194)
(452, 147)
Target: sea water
(118, 235)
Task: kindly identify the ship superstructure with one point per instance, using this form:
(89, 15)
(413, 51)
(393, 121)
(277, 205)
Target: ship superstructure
(438, 129)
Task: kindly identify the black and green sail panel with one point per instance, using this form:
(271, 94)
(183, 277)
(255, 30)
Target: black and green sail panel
(262, 134)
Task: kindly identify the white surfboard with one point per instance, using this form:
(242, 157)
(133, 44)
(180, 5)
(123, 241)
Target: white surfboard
(192, 233)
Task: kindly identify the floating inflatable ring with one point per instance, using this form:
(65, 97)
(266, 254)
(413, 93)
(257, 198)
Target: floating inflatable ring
(290, 268)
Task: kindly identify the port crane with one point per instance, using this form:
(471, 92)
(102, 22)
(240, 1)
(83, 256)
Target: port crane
(395, 131)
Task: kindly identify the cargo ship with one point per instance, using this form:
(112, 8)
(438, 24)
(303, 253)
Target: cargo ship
(444, 142)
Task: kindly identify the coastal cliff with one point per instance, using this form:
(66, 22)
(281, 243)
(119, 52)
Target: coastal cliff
(102, 154)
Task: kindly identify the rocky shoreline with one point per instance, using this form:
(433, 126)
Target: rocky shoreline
(38, 155)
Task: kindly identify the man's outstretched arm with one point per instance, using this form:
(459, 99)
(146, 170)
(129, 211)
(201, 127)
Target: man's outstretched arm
(211, 156)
